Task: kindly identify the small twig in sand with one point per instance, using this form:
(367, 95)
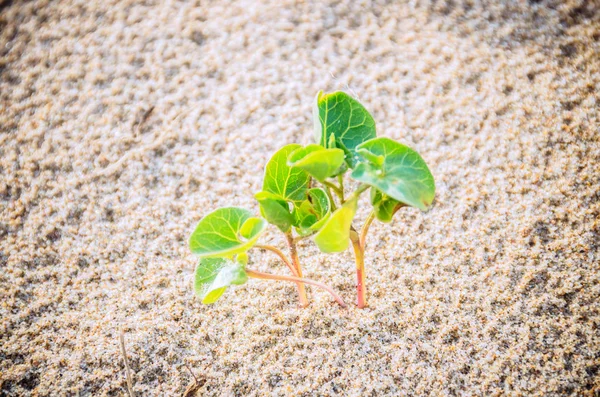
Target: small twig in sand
(111, 169)
(138, 126)
(194, 387)
(127, 370)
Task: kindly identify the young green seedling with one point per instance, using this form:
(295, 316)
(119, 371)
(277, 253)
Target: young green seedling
(291, 200)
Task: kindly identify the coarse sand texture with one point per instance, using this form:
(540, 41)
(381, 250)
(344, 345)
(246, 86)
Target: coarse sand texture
(122, 123)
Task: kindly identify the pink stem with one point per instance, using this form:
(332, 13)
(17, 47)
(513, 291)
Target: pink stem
(267, 276)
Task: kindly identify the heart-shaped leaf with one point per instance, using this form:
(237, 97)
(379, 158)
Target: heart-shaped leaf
(342, 116)
(319, 162)
(312, 213)
(226, 232)
(214, 275)
(396, 170)
(334, 236)
(383, 205)
(286, 182)
(275, 210)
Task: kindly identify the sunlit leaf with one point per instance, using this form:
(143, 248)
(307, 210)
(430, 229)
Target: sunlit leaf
(319, 162)
(383, 205)
(226, 232)
(275, 210)
(214, 275)
(334, 236)
(252, 227)
(396, 170)
(343, 117)
(286, 182)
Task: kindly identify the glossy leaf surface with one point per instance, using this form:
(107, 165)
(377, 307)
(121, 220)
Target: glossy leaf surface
(343, 117)
(226, 232)
(286, 182)
(396, 170)
(214, 275)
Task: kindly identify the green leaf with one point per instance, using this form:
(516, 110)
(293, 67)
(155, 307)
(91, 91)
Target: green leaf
(334, 236)
(252, 227)
(275, 210)
(384, 206)
(312, 213)
(214, 275)
(346, 119)
(403, 174)
(319, 162)
(226, 232)
(286, 182)
(304, 217)
(320, 201)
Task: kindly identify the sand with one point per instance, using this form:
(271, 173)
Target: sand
(123, 123)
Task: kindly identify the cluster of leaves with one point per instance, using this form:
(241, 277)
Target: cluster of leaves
(303, 195)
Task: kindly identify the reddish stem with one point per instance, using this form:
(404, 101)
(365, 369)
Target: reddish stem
(296, 264)
(267, 276)
(280, 254)
(361, 287)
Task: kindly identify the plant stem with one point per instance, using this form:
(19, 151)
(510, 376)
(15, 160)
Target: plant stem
(280, 254)
(338, 190)
(296, 265)
(267, 276)
(360, 189)
(341, 182)
(300, 238)
(359, 243)
(330, 197)
(332, 186)
(359, 258)
(365, 229)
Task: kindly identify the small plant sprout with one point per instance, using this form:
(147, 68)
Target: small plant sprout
(304, 196)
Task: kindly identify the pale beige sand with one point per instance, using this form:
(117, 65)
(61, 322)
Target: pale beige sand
(495, 291)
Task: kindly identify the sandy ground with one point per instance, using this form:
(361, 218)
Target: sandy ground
(495, 291)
